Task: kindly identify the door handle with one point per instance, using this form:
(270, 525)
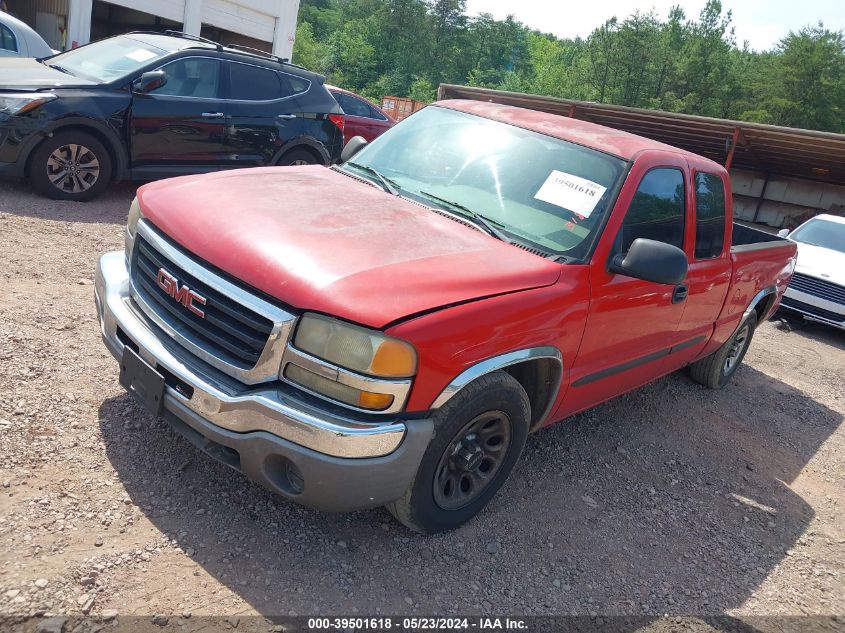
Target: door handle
(680, 293)
(212, 115)
(285, 116)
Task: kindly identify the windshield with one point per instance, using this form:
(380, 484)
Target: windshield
(822, 233)
(546, 193)
(107, 59)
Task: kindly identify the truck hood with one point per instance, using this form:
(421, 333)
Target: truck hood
(24, 73)
(318, 240)
(824, 263)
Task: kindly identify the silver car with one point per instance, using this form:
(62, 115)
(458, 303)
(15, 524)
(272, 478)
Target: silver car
(19, 40)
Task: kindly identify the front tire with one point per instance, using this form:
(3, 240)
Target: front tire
(478, 437)
(70, 165)
(716, 370)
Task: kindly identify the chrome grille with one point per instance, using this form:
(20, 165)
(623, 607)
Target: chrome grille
(240, 334)
(818, 288)
(228, 330)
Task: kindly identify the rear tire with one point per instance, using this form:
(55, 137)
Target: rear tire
(716, 370)
(70, 165)
(478, 437)
(298, 157)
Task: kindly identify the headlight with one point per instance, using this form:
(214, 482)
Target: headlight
(24, 102)
(353, 365)
(134, 218)
(355, 348)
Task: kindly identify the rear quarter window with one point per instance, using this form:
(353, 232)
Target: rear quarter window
(295, 85)
(709, 215)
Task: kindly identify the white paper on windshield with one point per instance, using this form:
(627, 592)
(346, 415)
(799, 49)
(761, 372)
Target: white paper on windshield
(141, 55)
(571, 192)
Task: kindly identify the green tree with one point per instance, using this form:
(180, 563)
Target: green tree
(811, 89)
(409, 47)
(308, 51)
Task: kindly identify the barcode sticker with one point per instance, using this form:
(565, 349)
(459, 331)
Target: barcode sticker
(571, 192)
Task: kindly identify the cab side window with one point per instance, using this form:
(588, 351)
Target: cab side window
(709, 215)
(197, 77)
(656, 211)
(7, 39)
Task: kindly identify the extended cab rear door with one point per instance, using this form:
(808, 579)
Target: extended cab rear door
(632, 325)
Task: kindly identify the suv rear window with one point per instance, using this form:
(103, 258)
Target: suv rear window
(251, 83)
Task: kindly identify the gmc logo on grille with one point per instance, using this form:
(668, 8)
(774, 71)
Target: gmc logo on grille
(182, 294)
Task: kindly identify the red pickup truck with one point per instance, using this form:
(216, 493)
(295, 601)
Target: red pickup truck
(388, 331)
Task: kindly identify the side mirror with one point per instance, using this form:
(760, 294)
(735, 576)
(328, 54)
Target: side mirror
(352, 147)
(650, 260)
(783, 232)
(149, 81)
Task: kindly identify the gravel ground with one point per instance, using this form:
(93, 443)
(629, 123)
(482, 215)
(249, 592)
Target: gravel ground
(671, 499)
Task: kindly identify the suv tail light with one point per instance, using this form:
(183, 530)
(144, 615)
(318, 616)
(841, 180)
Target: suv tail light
(340, 121)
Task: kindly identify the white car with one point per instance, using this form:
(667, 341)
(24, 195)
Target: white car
(19, 40)
(817, 289)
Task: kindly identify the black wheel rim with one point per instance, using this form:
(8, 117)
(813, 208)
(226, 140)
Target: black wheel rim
(471, 460)
(73, 168)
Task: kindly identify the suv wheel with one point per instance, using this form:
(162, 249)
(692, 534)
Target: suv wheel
(478, 437)
(70, 166)
(297, 157)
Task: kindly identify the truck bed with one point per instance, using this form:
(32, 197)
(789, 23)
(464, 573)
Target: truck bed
(749, 238)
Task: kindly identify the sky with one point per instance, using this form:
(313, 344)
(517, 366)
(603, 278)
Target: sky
(761, 22)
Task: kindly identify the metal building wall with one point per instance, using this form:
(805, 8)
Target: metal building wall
(783, 202)
(268, 20)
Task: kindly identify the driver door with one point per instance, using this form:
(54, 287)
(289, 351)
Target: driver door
(181, 123)
(632, 324)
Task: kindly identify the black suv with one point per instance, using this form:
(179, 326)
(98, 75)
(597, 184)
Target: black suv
(149, 105)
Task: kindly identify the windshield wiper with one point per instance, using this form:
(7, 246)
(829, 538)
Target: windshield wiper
(386, 183)
(60, 68)
(474, 216)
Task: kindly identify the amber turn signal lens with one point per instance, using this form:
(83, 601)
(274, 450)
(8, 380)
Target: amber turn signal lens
(394, 358)
(374, 401)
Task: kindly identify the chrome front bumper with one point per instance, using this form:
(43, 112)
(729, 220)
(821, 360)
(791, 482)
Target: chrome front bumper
(221, 400)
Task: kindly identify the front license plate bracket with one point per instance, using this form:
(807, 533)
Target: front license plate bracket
(143, 381)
